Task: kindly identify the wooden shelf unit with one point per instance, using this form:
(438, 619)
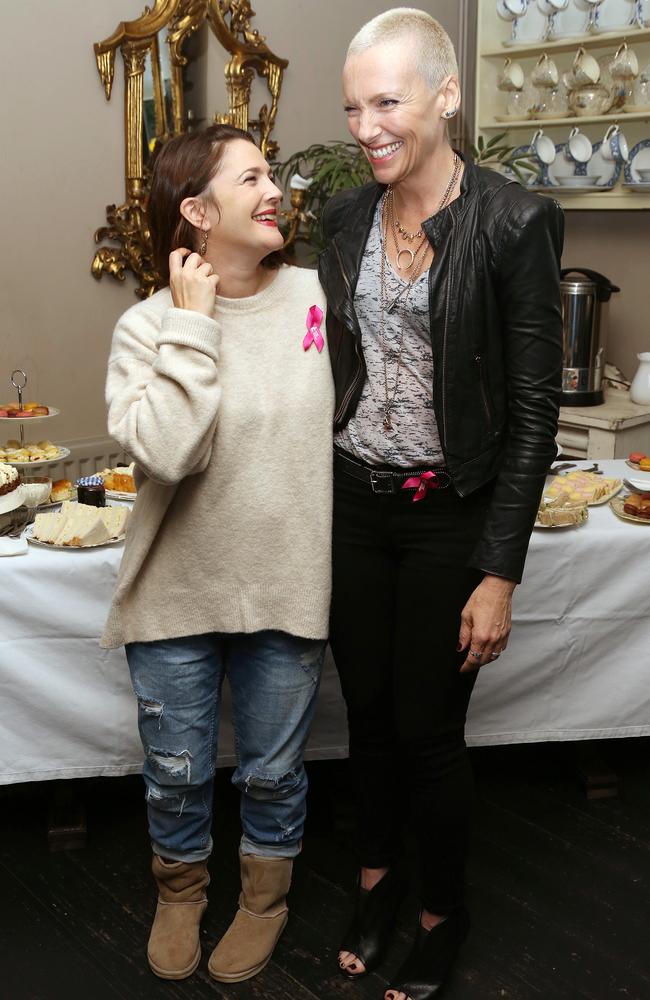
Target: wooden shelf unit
(490, 102)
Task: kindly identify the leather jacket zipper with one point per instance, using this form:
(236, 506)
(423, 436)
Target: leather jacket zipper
(354, 383)
(450, 280)
(478, 361)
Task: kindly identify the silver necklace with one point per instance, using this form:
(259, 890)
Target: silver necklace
(402, 297)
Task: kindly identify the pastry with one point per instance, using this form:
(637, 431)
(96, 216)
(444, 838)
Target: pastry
(61, 490)
(9, 480)
(119, 479)
(644, 464)
(13, 451)
(636, 457)
(638, 505)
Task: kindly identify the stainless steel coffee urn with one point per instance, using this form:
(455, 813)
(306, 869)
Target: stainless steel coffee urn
(583, 292)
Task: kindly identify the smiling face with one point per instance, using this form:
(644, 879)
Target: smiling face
(241, 213)
(392, 112)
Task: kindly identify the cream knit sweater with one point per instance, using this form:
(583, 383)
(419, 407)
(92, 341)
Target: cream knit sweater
(229, 421)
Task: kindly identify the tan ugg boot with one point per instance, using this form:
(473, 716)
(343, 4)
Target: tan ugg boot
(174, 950)
(248, 943)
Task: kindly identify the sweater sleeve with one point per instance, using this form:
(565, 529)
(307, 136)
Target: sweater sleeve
(162, 390)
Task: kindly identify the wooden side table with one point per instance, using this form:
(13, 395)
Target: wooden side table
(611, 430)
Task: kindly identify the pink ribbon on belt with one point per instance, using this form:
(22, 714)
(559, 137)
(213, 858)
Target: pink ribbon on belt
(313, 335)
(427, 481)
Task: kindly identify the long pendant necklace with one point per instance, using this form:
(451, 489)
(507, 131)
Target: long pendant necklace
(402, 297)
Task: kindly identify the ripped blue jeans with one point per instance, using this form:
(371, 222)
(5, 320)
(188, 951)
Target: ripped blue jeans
(274, 679)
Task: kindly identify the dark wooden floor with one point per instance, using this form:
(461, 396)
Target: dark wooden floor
(558, 891)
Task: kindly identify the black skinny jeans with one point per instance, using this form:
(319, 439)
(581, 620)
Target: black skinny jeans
(400, 583)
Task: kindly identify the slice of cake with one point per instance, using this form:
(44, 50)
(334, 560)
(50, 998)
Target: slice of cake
(115, 519)
(9, 480)
(83, 526)
(47, 526)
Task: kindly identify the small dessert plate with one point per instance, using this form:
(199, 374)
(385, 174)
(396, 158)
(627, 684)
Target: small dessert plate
(640, 482)
(63, 453)
(31, 420)
(118, 495)
(617, 505)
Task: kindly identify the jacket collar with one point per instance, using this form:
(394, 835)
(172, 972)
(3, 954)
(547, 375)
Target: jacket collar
(351, 239)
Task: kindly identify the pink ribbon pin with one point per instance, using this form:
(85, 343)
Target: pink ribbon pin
(427, 481)
(313, 335)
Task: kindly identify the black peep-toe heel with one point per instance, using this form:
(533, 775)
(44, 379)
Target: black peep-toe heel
(434, 952)
(375, 910)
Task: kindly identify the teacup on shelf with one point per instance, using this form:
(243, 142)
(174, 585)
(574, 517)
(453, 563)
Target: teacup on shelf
(511, 76)
(578, 149)
(543, 148)
(571, 22)
(510, 10)
(614, 15)
(614, 146)
(624, 65)
(530, 26)
(585, 69)
(545, 72)
(550, 7)
(590, 7)
(643, 13)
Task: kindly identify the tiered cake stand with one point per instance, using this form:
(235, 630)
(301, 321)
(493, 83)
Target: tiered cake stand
(19, 384)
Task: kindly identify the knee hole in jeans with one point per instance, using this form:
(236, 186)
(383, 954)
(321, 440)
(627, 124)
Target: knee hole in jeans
(269, 787)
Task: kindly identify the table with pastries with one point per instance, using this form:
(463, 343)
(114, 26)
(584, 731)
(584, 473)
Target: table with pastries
(577, 666)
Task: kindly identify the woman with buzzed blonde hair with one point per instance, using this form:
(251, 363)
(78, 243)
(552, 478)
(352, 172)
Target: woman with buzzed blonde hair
(444, 328)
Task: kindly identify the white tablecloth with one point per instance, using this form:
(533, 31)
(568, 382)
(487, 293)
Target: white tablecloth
(577, 666)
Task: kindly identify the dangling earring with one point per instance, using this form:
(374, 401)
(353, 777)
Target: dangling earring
(449, 114)
(204, 242)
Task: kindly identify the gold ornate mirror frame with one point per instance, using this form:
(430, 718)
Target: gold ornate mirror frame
(176, 20)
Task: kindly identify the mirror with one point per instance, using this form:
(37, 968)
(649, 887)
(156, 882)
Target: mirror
(159, 50)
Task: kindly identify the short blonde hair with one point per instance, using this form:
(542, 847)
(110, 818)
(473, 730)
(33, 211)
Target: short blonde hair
(434, 53)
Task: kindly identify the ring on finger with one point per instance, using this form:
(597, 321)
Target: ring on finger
(476, 655)
(495, 656)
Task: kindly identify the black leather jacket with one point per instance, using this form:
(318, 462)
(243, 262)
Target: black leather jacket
(496, 337)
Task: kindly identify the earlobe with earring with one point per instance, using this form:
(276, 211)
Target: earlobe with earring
(449, 114)
(204, 242)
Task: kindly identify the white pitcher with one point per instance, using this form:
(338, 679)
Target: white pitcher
(640, 388)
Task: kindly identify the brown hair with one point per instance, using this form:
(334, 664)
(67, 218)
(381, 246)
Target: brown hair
(183, 169)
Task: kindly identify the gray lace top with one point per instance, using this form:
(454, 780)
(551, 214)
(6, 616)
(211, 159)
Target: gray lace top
(413, 441)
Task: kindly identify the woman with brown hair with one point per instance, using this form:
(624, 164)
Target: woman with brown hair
(219, 388)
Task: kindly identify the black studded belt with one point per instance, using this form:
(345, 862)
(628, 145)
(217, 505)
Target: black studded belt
(393, 480)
